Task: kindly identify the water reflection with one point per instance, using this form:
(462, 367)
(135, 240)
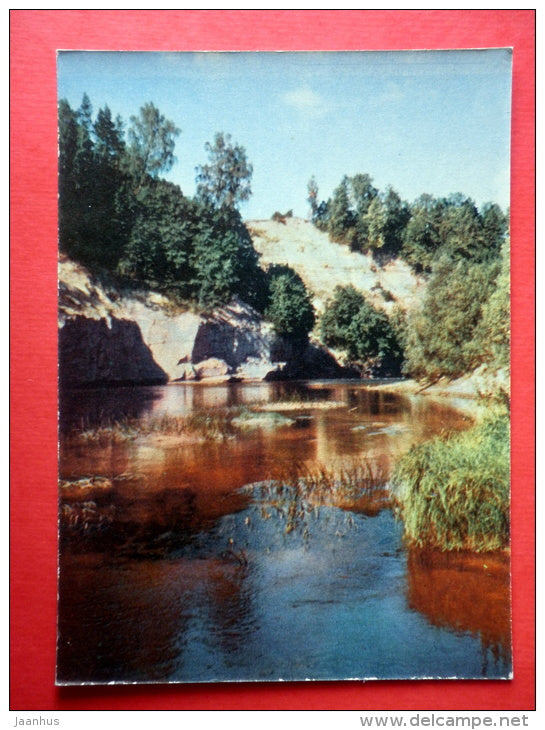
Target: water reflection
(326, 605)
(173, 567)
(466, 592)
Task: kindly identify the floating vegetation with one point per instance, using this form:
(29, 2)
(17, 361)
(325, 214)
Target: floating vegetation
(267, 420)
(84, 483)
(297, 497)
(210, 425)
(302, 405)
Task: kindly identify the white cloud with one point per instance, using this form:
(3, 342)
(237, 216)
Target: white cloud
(305, 100)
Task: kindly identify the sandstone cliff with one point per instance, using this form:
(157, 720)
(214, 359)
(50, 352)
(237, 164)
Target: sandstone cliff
(110, 337)
(323, 264)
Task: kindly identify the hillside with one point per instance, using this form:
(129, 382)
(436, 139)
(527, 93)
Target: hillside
(323, 264)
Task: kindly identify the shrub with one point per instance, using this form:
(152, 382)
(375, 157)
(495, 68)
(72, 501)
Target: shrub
(440, 335)
(290, 306)
(281, 217)
(351, 323)
(453, 492)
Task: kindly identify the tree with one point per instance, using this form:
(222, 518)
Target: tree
(69, 203)
(109, 143)
(492, 337)
(495, 226)
(290, 306)
(341, 217)
(460, 228)
(440, 336)
(224, 182)
(397, 215)
(95, 208)
(421, 237)
(375, 224)
(161, 239)
(225, 262)
(350, 323)
(312, 190)
(363, 195)
(151, 143)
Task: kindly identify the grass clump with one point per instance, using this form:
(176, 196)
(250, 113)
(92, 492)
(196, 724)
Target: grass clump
(453, 492)
(208, 426)
(297, 496)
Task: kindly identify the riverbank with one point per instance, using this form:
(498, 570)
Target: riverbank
(480, 383)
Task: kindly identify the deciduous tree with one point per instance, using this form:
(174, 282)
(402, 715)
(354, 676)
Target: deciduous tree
(225, 181)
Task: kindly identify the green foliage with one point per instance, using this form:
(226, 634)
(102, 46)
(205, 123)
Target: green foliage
(494, 228)
(492, 336)
(375, 222)
(368, 220)
(225, 181)
(117, 215)
(360, 216)
(452, 227)
(95, 212)
(225, 262)
(341, 216)
(349, 322)
(396, 216)
(151, 143)
(400, 326)
(453, 492)
(161, 240)
(440, 336)
(421, 236)
(290, 306)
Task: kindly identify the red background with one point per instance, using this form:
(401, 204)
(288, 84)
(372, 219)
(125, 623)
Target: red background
(35, 36)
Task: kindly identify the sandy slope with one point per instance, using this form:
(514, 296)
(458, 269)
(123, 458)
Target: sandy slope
(322, 264)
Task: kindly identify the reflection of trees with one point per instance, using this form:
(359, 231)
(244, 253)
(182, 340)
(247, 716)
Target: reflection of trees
(94, 407)
(230, 607)
(464, 592)
(112, 627)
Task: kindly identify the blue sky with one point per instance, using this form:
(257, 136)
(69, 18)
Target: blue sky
(433, 122)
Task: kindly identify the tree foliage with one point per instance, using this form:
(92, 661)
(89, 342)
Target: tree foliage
(152, 140)
(117, 214)
(350, 323)
(380, 222)
(160, 244)
(95, 213)
(225, 181)
(441, 335)
(492, 336)
(290, 306)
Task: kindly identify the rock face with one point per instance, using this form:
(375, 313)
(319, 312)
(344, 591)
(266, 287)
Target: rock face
(109, 337)
(323, 264)
(95, 352)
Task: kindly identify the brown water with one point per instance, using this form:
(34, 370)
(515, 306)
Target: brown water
(173, 567)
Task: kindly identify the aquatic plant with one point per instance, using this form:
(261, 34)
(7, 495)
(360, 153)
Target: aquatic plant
(296, 496)
(209, 425)
(452, 492)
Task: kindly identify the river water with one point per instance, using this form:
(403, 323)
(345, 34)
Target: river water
(183, 559)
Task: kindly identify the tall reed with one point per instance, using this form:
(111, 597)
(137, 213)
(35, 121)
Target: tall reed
(453, 493)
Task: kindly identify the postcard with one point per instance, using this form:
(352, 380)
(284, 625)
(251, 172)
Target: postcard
(284, 340)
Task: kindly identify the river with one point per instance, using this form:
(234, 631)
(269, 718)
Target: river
(219, 559)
